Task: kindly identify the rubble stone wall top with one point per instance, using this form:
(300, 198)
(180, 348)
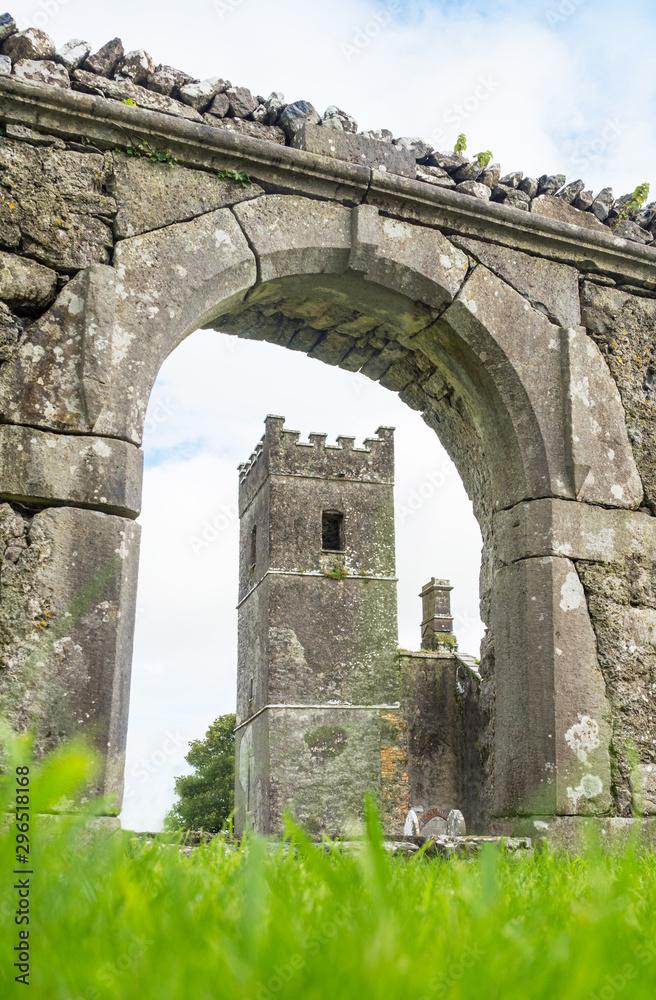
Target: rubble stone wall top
(133, 78)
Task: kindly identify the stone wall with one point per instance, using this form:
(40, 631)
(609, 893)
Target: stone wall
(135, 79)
(525, 340)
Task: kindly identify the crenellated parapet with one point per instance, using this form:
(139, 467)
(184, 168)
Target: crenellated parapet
(280, 452)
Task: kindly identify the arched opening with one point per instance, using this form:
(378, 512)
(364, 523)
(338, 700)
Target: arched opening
(498, 379)
(205, 415)
(402, 306)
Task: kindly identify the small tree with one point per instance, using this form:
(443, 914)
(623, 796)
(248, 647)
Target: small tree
(207, 797)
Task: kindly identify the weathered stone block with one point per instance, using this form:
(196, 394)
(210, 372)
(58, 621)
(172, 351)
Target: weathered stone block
(153, 195)
(26, 134)
(220, 106)
(552, 721)
(105, 60)
(576, 530)
(332, 348)
(42, 71)
(627, 229)
(55, 200)
(556, 208)
(473, 188)
(511, 197)
(11, 328)
(434, 175)
(42, 468)
(550, 287)
(622, 604)
(29, 44)
(398, 376)
(418, 262)
(334, 117)
(7, 26)
(241, 101)
(24, 285)
(600, 459)
(136, 66)
(355, 149)
(66, 618)
(297, 235)
(122, 90)
(199, 95)
(294, 116)
(622, 326)
(72, 54)
(255, 129)
(51, 382)
(167, 79)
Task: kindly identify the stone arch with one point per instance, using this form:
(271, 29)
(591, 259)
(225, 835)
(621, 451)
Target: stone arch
(525, 405)
(247, 269)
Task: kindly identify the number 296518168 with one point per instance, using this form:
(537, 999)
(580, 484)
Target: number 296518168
(22, 814)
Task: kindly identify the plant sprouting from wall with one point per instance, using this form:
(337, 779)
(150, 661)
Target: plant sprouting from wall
(635, 202)
(154, 155)
(238, 176)
(337, 569)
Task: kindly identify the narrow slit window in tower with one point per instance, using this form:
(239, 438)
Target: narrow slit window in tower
(332, 531)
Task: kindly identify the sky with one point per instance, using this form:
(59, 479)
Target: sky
(561, 86)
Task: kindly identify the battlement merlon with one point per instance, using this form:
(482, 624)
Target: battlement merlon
(279, 452)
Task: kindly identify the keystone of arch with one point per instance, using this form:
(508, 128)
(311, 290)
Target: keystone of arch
(292, 236)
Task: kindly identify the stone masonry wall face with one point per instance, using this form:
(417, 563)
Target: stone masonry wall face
(66, 208)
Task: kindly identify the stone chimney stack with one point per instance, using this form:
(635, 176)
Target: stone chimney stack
(436, 612)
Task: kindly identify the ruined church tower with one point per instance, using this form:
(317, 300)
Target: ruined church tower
(317, 677)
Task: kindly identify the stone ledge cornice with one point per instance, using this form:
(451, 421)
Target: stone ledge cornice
(69, 114)
(453, 212)
(108, 123)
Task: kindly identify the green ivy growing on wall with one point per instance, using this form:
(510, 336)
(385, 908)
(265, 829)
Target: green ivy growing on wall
(154, 155)
(239, 177)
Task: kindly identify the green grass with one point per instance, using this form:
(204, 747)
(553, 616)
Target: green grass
(115, 919)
